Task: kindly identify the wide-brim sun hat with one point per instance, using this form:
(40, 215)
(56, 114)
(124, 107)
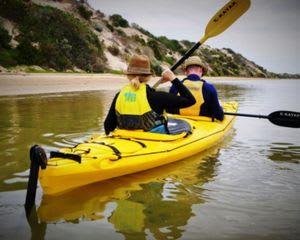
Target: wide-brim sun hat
(196, 61)
(139, 65)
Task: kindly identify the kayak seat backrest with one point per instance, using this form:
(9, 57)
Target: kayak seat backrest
(178, 126)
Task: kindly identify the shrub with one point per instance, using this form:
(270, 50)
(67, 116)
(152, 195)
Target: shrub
(169, 60)
(188, 44)
(171, 44)
(147, 33)
(100, 14)
(138, 51)
(139, 39)
(4, 38)
(8, 58)
(156, 68)
(118, 72)
(84, 12)
(118, 21)
(154, 46)
(14, 10)
(114, 50)
(231, 65)
(97, 27)
(27, 54)
(121, 32)
(110, 27)
(229, 50)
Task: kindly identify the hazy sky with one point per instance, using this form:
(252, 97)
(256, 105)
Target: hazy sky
(268, 33)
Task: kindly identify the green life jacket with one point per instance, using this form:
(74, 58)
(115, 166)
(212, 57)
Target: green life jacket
(133, 109)
(195, 88)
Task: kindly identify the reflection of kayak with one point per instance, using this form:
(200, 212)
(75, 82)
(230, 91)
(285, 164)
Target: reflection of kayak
(124, 152)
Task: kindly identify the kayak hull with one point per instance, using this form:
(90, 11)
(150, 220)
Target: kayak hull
(124, 152)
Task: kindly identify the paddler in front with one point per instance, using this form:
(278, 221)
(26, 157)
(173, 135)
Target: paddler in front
(138, 106)
(207, 103)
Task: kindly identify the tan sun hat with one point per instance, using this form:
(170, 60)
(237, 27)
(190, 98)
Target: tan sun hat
(139, 64)
(195, 60)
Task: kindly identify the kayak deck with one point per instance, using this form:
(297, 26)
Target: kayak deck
(123, 152)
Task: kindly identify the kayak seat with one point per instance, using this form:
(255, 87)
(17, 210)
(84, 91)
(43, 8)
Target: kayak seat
(178, 129)
(178, 126)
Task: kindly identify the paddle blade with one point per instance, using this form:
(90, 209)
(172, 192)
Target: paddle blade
(285, 118)
(225, 17)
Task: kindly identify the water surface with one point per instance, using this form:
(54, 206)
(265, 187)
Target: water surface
(247, 187)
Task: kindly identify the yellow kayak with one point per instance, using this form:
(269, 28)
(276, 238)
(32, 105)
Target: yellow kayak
(93, 198)
(124, 152)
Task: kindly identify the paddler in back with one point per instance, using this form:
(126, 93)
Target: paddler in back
(207, 103)
(138, 106)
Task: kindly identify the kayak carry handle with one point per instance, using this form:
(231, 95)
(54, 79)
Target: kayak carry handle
(38, 158)
(70, 156)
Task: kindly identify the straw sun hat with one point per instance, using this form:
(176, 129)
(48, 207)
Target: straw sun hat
(140, 65)
(195, 60)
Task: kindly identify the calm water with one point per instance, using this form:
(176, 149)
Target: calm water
(247, 187)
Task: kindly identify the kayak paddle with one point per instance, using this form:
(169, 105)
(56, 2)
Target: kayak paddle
(280, 118)
(224, 18)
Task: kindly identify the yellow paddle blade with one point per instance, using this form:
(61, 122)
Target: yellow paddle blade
(226, 16)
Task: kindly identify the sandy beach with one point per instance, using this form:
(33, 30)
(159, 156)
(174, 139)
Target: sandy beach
(37, 83)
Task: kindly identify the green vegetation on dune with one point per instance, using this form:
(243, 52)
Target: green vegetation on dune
(50, 38)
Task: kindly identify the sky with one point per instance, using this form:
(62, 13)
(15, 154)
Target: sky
(268, 33)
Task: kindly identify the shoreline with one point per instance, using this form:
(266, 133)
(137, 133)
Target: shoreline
(13, 84)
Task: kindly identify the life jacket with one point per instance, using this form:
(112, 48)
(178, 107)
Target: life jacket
(133, 109)
(195, 88)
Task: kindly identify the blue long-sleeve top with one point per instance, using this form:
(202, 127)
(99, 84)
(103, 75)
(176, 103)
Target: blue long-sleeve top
(211, 106)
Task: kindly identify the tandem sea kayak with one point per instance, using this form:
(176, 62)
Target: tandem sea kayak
(124, 152)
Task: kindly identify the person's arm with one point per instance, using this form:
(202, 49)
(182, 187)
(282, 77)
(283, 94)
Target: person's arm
(185, 97)
(173, 90)
(110, 122)
(218, 112)
(160, 101)
(216, 109)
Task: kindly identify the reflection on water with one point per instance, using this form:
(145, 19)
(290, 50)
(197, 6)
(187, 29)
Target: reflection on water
(38, 229)
(245, 187)
(232, 91)
(161, 209)
(284, 152)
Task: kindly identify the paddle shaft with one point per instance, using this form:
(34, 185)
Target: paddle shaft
(180, 61)
(279, 118)
(246, 115)
(185, 56)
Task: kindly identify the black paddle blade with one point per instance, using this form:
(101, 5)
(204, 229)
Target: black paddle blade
(285, 119)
